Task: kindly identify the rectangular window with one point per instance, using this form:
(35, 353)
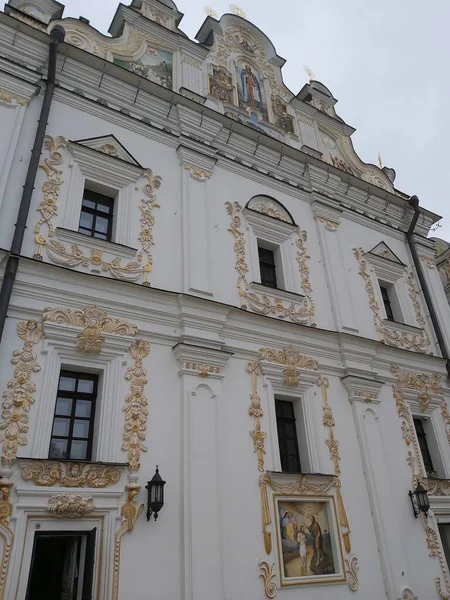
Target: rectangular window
(96, 219)
(73, 423)
(444, 531)
(267, 267)
(424, 448)
(287, 437)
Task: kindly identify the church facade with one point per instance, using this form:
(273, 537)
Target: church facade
(224, 343)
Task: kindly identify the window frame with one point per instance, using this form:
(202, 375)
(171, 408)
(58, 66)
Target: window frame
(97, 198)
(75, 396)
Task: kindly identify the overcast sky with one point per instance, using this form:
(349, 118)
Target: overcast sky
(386, 61)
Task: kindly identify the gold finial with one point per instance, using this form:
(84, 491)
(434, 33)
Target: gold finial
(237, 11)
(210, 12)
(380, 162)
(309, 72)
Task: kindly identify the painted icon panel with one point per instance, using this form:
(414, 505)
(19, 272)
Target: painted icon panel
(155, 65)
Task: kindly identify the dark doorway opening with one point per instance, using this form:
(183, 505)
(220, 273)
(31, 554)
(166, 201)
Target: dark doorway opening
(62, 566)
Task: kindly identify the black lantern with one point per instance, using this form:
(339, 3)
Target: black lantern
(155, 489)
(419, 500)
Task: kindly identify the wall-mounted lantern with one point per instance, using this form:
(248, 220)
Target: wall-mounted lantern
(155, 489)
(419, 500)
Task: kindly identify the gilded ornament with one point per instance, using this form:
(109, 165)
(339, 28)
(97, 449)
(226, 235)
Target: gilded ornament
(50, 189)
(66, 506)
(255, 410)
(6, 534)
(130, 514)
(234, 209)
(203, 369)
(136, 404)
(329, 225)
(19, 394)
(429, 262)
(197, 173)
(351, 570)
(94, 321)
(293, 361)
(419, 342)
(271, 211)
(70, 474)
(8, 98)
(268, 576)
(147, 206)
(109, 149)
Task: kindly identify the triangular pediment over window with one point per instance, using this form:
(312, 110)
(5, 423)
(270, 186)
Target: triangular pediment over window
(110, 145)
(383, 251)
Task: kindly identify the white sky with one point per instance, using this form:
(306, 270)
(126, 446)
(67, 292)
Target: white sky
(386, 61)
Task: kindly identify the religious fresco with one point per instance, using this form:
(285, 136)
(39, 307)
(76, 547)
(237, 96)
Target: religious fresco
(250, 89)
(332, 154)
(155, 65)
(221, 85)
(308, 542)
(282, 118)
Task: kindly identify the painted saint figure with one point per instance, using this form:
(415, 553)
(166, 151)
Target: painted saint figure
(251, 89)
(302, 549)
(316, 532)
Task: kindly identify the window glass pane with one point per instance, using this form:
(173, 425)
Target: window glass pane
(83, 408)
(101, 236)
(61, 427)
(105, 208)
(85, 386)
(63, 406)
(101, 225)
(67, 384)
(88, 203)
(86, 220)
(81, 429)
(58, 449)
(78, 450)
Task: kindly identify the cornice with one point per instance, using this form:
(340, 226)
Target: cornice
(201, 361)
(361, 389)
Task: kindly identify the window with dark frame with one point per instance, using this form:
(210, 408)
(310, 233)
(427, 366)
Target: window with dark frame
(387, 303)
(287, 437)
(424, 449)
(73, 423)
(267, 267)
(444, 531)
(96, 219)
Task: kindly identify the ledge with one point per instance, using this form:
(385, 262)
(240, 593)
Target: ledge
(277, 293)
(397, 326)
(69, 236)
(71, 460)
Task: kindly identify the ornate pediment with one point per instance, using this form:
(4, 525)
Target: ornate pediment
(383, 250)
(110, 145)
(41, 10)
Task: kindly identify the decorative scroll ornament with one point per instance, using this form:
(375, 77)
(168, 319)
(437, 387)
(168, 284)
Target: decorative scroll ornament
(255, 410)
(203, 369)
(271, 211)
(136, 406)
(94, 321)
(404, 380)
(19, 394)
(198, 174)
(329, 225)
(70, 474)
(298, 313)
(148, 204)
(268, 576)
(6, 534)
(66, 506)
(419, 342)
(8, 98)
(293, 361)
(75, 256)
(351, 569)
(130, 514)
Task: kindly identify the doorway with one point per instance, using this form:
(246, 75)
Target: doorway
(62, 566)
